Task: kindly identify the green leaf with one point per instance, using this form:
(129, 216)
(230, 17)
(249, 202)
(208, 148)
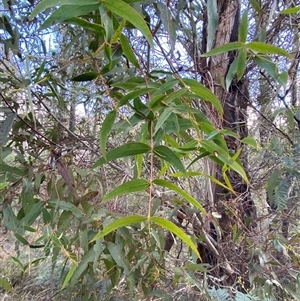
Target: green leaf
(43, 5)
(129, 149)
(250, 141)
(166, 224)
(86, 24)
(84, 77)
(106, 129)
(168, 155)
(212, 22)
(5, 127)
(65, 12)
(256, 5)
(119, 257)
(162, 119)
(243, 28)
(222, 155)
(124, 100)
(184, 194)
(127, 187)
(231, 73)
(266, 63)
(20, 238)
(291, 10)
(67, 206)
(5, 285)
(3, 185)
(241, 63)
(121, 222)
(224, 48)
(283, 78)
(125, 11)
(261, 47)
(203, 93)
(69, 275)
(128, 51)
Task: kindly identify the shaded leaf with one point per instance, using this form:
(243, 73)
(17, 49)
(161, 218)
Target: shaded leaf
(127, 187)
(121, 222)
(125, 11)
(84, 77)
(106, 129)
(129, 149)
(166, 224)
(168, 155)
(181, 192)
(69, 275)
(128, 51)
(261, 47)
(5, 285)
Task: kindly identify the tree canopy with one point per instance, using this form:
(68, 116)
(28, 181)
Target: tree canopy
(152, 146)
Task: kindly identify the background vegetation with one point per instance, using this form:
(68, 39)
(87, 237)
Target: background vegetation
(149, 150)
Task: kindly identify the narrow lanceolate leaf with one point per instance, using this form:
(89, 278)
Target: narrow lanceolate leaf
(106, 129)
(243, 28)
(43, 5)
(162, 119)
(292, 10)
(166, 224)
(261, 47)
(224, 48)
(69, 11)
(184, 194)
(69, 275)
(241, 63)
(5, 127)
(5, 285)
(203, 93)
(125, 11)
(117, 253)
(250, 141)
(124, 100)
(266, 63)
(119, 223)
(129, 149)
(127, 187)
(222, 155)
(168, 155)
(84, 77)
(128, 51)
(86, 24)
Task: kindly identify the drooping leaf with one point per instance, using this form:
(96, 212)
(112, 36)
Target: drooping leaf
(125, 11)
(5, 285)
(203, 93)
(168, 155)
(129, 149)
(241, 63)
(69, 275)
(88, 76)
(184, 194)
(119, 256)
(128, 51)
(5, 127)
(266, 63)
(121, 222)
(127, 187)
(124, 100)
(106, 129)
(86, 24)
(212, 22)
(222, 155)
(55, 203)
(166, 224)
(162, 119)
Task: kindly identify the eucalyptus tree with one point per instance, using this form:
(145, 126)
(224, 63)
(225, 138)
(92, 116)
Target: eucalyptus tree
(172, 80)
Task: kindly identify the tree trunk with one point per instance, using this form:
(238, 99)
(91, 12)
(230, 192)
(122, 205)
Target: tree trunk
(233, 209)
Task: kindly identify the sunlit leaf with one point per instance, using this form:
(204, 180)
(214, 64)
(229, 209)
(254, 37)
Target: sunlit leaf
(250, 141)
(5, 285)
(291, 10)
(69, 275)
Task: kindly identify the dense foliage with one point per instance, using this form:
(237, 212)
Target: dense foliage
(152, 147)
